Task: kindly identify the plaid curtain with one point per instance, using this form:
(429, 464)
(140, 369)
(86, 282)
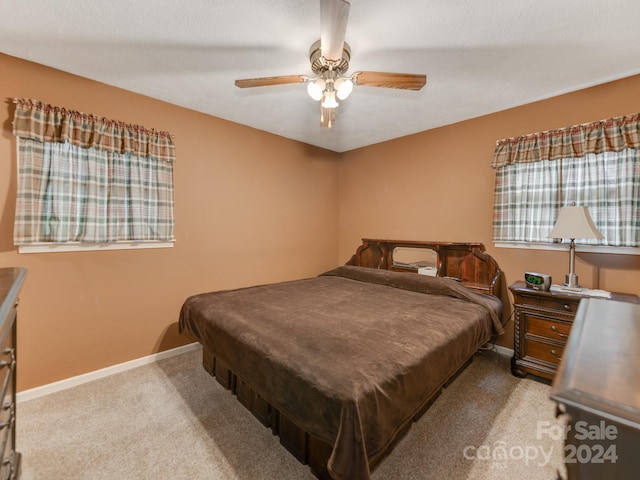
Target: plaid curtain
(528, 197)
(595, 165)
(525, 203)
(612, 135)
(83, 178)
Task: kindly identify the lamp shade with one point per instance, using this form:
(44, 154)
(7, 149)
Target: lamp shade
(574, 222)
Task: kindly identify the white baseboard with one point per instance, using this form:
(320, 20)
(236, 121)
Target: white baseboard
(103, 372)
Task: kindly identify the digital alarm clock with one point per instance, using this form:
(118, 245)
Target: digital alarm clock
(537, 281)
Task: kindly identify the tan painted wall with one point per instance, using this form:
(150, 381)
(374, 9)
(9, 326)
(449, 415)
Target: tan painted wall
(250, 208)
(438, 185)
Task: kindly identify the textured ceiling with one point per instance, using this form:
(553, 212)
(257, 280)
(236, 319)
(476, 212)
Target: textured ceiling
(479, 56)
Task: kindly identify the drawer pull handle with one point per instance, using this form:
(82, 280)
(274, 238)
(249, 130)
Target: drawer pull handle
(567, 307)
(8, 423)
(555, 354)
(555, 330)
(12, 358)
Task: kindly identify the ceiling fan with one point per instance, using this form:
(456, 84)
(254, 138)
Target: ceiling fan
(329, 59)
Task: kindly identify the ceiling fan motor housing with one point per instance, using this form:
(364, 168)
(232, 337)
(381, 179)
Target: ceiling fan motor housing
(319, 64)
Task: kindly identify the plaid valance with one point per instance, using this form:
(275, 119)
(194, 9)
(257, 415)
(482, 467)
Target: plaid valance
(612, 135)
(89, 180)
(46, 123)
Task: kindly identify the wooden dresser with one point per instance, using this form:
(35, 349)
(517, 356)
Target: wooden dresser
(11, 280)
(598, 387)
(542, 322)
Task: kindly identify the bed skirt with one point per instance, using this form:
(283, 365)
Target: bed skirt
(306, 448)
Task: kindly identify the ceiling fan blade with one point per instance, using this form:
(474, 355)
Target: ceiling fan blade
(407, 81)
(268, 81)
(333, 27)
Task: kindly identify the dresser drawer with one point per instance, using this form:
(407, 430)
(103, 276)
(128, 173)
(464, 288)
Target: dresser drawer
(7, 420)
(547, 328)
(11, 466)
(10, 282)
(557, 304)
(543, 351)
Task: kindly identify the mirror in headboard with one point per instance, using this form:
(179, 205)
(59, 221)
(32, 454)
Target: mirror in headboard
(413, 258)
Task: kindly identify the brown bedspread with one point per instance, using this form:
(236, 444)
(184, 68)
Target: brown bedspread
(351, 355)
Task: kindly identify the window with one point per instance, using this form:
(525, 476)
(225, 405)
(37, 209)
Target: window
(89, 181)
(595, 165)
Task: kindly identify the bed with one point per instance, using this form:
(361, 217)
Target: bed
(340, 365)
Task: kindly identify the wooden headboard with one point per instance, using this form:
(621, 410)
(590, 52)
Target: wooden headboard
(466, 262)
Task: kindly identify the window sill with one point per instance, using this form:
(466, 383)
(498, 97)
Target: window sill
(565, 248)
(88, 247)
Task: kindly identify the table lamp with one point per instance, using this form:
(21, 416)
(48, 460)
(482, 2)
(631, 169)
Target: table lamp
(574, 222)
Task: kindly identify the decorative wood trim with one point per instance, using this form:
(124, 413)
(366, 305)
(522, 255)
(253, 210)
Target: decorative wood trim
(467, 262)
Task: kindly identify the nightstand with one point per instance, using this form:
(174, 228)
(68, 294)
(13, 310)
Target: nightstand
(542, 322)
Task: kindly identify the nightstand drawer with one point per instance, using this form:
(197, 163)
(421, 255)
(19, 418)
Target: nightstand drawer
(544, 351)
(547, 328)
(557, 304)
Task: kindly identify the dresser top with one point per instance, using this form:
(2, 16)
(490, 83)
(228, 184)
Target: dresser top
(11, 280)
(599, 370)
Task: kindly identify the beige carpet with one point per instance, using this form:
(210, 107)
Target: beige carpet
(170, 420)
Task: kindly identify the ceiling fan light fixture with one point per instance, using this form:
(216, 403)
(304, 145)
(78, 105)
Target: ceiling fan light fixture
(329, 58)
(315, 89)
(329, 99)
(343, 86)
